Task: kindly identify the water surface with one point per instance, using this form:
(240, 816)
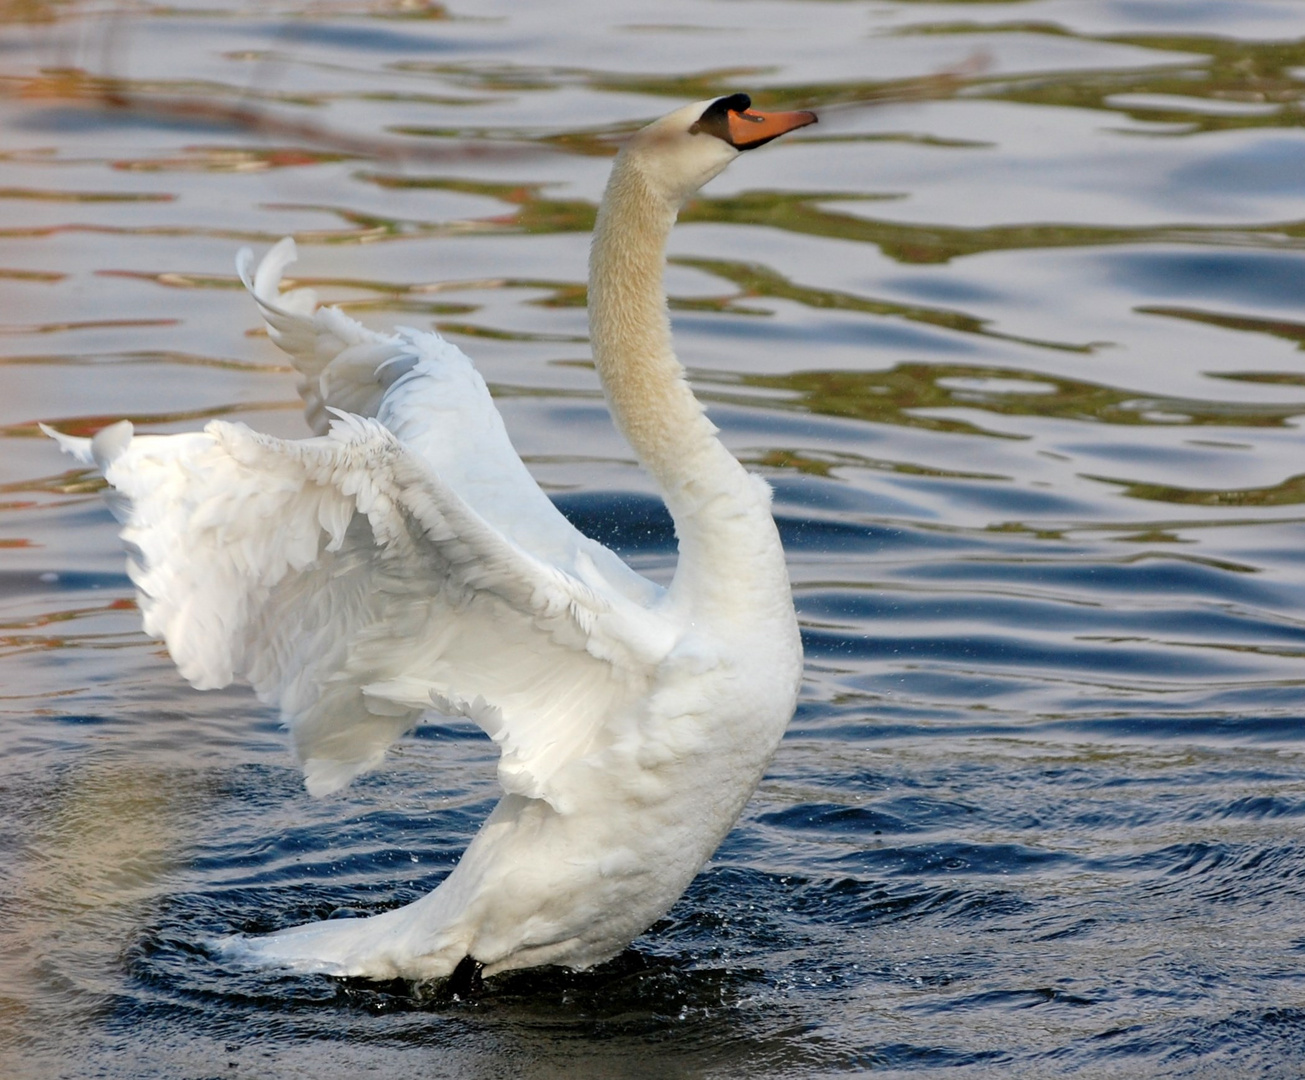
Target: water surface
(1015, 334)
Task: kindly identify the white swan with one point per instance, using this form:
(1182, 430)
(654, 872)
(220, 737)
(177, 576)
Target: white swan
(404, 560)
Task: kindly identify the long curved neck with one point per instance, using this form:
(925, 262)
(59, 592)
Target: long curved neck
(630, 332)
(728, 542)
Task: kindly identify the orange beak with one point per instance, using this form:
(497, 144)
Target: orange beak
(749, 129)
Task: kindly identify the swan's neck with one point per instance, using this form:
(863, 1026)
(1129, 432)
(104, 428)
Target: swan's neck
(630, 332)
(722, 515)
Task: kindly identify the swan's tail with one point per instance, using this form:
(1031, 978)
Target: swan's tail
(392, 945)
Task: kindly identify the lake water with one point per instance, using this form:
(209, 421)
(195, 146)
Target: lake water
(1016, 335)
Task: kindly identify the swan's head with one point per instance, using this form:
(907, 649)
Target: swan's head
(683, 150)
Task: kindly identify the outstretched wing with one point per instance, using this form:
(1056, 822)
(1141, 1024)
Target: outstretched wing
(355, 589)
(429, 394)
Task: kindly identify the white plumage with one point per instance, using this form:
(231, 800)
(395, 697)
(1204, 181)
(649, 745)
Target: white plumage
(403, 560)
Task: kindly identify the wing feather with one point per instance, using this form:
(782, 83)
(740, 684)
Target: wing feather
(355, 590)
(402, 560)
(426, 391)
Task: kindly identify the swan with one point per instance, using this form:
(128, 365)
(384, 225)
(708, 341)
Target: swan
(404, 561)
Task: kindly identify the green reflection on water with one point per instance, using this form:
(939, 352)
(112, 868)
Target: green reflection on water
(904, 394)
(48, 195)
(1289, 492)
(1221, 71)
(1279, 328)
(823, 463)
(802, 212)
(757, 280)
(534, 212)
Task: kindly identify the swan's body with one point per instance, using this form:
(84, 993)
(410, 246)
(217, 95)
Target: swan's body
(404, 560)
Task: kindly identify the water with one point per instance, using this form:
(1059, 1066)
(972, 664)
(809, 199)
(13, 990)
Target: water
(1015, 333)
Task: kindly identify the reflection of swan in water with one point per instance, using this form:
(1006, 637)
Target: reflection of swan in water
(405, 560)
